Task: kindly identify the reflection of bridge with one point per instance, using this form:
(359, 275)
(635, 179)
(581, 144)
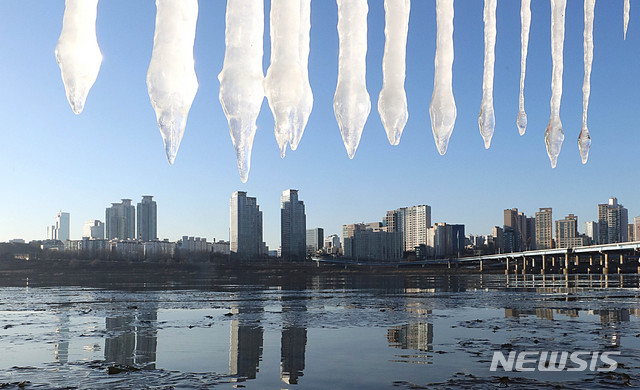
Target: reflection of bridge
(615, 258)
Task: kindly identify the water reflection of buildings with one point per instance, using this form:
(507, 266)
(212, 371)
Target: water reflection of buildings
(134, 340)
(606, 316)
(293, 342)
(61, 348)
(417, 336)
(245, 352)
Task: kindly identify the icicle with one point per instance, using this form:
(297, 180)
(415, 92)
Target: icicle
(77, 51)
(627, 6)
(307, 95)
(525, 22)
(351, 103)
(584, 139)
(486, 119)
(554, 136)
(241, 89)
(283, 82)
(443, 110)
(171, 78)
(392, 102)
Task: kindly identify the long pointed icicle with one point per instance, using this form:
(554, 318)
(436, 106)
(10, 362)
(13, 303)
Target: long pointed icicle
(351, 102)
(171, 78)
(443, 109)
(487, 119)
(625, 18)
(241, 88)
(283, 84)
(307, 95)
(584, 139)
(392, 102)
(554, 136)
(525, 22)
(77, 51)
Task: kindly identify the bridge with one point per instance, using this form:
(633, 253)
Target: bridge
(605, 259)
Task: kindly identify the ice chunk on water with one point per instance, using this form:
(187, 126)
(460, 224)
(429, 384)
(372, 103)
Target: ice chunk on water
(525, 23)
(627, 6)
(392, 102)
(283, 84)
(554, 136)
(351, 102)
(307, 95)
(77, 51)
(584, 139)
(241, 78)
(171, 78)
(486, 119)
(443, 110)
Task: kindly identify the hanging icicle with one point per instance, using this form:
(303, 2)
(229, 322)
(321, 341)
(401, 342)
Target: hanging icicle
(584, 139)
(283, 84)
(241, 89)
(443, 110)
(351, 102)
(392, 102)
(525, 23)
(486, 119)
(171, 78)
(554, 136)
(627, 6)
(77, 51)
(307, 95)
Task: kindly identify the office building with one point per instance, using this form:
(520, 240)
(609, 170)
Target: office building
(591, 231)
(332, 244)
(636, 228)
(120, 221)
(412, 223)
(147, 219)
(293, 226)
(445, 241)
(567, 233)
(544, 228)
(315, 240)
(612, 222)
(245, 226)
(370, 244)
(517, 221)
(60, 230)
(497, 234)
(93, 230)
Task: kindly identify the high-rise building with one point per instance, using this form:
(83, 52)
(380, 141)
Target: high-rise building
(245, 226)
(120, 221)
(412, 222)
(60, 231)
(517, 221)
(147, 219)
(530, 239)
(591, 231)
(293, 226)
(544, 228)
(567, 233)
(496, 233)
(636, 228)
(632, 232)
(370, 244)
(445, 240)
(93, 230)
(612, 222)
(315, 239)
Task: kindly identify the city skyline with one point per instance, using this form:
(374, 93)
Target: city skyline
(116, 135)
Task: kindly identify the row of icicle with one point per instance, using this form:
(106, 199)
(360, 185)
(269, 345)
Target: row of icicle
(172, 81)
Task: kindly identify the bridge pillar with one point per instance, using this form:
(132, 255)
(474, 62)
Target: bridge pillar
(524, 265)
(591, 260)
(621, 263)
(481, 265)
(566, 263)
(577, 260)
(553, 261)
(506, 270)
(605, 269)
(449, 264)
(543, 264)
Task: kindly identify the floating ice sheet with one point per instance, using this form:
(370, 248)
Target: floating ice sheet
(241, 78)
(525, 23)
(77, 51)
(584, 139)
(171, 78)
(351, 102)
(443, 110)
(392, 102)
(486, 119)
(554, 136)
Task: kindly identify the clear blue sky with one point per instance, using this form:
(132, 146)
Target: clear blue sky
(54, 160)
